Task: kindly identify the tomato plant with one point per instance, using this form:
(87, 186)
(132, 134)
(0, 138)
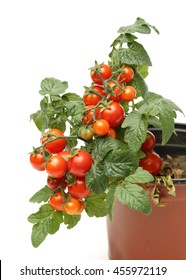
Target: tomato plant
(99, 144)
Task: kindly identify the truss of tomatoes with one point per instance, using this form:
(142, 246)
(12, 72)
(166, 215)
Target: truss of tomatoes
(103, 113)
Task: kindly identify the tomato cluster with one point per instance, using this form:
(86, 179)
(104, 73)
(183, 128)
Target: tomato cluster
(152, 162)
(103, 110)
(66, 171)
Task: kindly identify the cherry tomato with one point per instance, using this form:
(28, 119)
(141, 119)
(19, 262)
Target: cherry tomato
(111, 133)
(114, 114)
(79, 189)
(115, 91)
(91, 98)
(101, 127)
(105, 72)
(89, 116)
(53, 183)
(128, 94)
(64, 154)
(56, 167)
(86, 133)
(149, 143)
(74, 206)
(80, 164)
(57, 201)
(37, 161)
(152, 163)
(127, 75)
(55, 146)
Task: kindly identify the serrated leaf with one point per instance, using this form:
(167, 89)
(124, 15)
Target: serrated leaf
(110, 199)
(135, 54)
(139, 84)
(40, 120)
(43, 213)
(96, 180)
(74, 104)
(95, 205)
(143, 70)
(140, 176)
(47, 221)
(120, 162)
(71, 220)
(39, 233)
(140, 26)
(102, 145)
(42, 195)
(136, 130)
(53, 86)
(164, 109)
(134, 197)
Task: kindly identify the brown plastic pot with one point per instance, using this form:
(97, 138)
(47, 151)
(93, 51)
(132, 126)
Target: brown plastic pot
(160, 235)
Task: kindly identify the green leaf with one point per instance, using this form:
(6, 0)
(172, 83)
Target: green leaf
(47, 221)
(134, 197)
(110, 199)
(95, 205)
(164, 109)
(143, 71)
(140, 176)
(139, 84)
(71, 220)
(40, 120)
(59, 122)
(136, 130)
(140, 26)
(134, 54)
(102, 145)
(74, 104)
(53, 86)
(120, 162)
(96, 180)
(42, 195)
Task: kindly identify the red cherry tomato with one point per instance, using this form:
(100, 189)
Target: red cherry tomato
(55, 146)
(74, 206)
(57, 201)
(80, 164)
(91, 114)
(105, 72)
(37, 161)
(115, 91)
(128, 94)
(64, 154)
(152, 163)
(114, 114)
(111, 133)
(79, 189)
(149, 143)
(127, 75)
(53, 183)
(56, 167)
(101, 127)
(92, 96)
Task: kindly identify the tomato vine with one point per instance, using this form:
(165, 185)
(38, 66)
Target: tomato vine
(111, 119)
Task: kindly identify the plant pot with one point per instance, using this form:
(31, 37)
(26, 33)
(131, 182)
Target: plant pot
(162, 234)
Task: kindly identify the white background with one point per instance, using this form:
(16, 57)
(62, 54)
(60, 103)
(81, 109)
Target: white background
(62, 39)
